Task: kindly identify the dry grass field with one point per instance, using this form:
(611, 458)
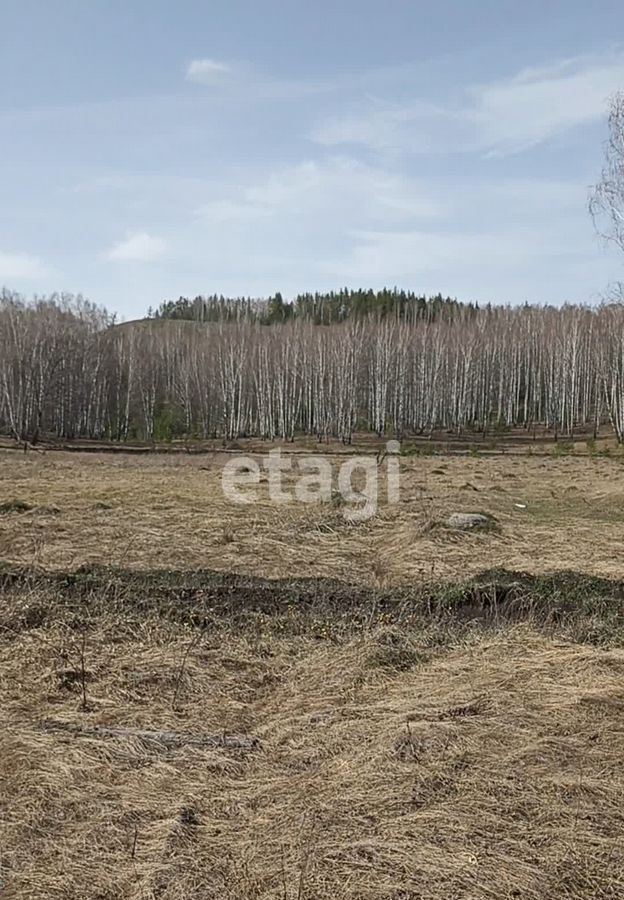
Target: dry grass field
(401, 732)
(170, 512)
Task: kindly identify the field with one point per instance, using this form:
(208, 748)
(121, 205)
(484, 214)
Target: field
(169, 512)
(200, 700)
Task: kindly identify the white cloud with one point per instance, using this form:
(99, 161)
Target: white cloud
(411, 254)
(206, 71)
(415, 127)
(340, 221)
(346, 187)
(502, 117)
(538, 104)
(22, 266)
(137, 246)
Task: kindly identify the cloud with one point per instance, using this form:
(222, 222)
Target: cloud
(137, 246)
(22, 266)
(206, 71)
(538, 104)
(411, 254)
(247, 84)
(414, 127)
(341, 221)
(346, 186)
(498, 118)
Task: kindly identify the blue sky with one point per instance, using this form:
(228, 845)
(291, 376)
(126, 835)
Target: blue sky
(153, 149)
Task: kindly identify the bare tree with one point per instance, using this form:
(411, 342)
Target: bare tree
(66, 370)
(607, 199)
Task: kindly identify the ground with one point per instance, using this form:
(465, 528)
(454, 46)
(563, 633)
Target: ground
(169, 511)
(395, 727)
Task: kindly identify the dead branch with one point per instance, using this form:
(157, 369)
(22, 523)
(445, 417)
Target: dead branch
(168, 739)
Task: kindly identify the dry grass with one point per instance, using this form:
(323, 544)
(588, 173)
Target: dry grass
(554, 513)
(490, 768)
(415, 742)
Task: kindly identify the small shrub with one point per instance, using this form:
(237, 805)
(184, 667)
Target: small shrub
(169, 423)
(564, 448)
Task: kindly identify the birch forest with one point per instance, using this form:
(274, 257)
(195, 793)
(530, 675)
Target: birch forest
(68, 371)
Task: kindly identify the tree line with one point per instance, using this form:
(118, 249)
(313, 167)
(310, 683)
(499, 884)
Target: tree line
(66, 369)
(320, 308)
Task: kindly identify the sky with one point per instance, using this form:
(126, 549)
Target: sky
(153, 149)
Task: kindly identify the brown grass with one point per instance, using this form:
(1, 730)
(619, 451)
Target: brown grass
(416, 741)
(169, 511)
(389, 767)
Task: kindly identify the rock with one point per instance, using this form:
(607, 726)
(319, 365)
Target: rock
(466, 521)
